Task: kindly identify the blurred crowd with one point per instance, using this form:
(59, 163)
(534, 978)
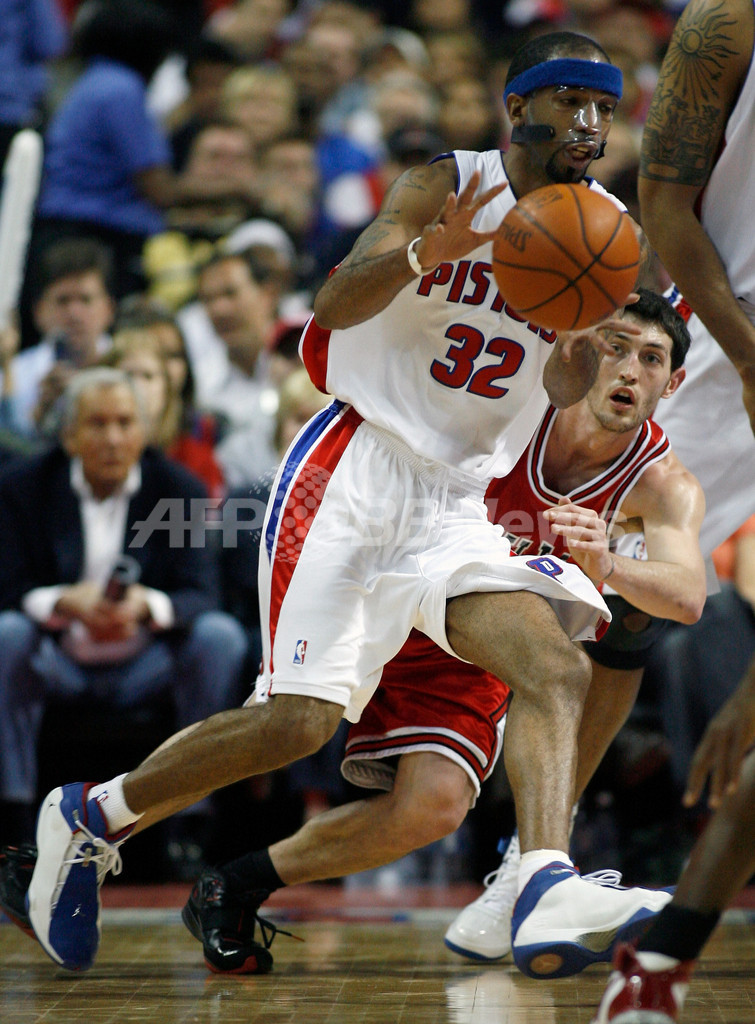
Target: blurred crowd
(206, 164)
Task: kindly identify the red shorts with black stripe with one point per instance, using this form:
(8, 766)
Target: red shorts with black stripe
(428, 700)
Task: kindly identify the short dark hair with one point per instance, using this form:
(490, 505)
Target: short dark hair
(72, 257)
(245, 256)
(653, 308)
(137, 33)
(208, 50)
(549, 47)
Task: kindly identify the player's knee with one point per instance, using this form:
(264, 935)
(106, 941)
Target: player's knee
(571, 673)
(559, 674)
(310, 722)
(435, 813)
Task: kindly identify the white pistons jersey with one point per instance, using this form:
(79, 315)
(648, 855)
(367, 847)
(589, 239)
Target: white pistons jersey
(446, 366)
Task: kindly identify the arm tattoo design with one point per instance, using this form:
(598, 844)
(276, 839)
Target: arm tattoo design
(688, 113)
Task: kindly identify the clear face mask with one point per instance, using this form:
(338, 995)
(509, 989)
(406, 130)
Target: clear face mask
(587, 127)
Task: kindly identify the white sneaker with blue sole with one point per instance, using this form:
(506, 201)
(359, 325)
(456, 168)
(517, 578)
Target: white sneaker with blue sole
(562, 923)
(75, 852)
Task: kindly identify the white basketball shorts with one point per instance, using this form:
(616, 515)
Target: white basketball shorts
(363, 540)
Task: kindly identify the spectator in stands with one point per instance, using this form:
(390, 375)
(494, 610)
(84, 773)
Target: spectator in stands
(73, 310)
(251, 27)
(404, 97)
(455, 55)
(322, 223)
(264, 100)
(209, 62)
(227, 338)
(290, 193)
(443, 15)
(308, 61)
(155, 357)
(66, 518)
(468, 115)
(33, 33)
(221, 151)
(107, 169)
(275, 258)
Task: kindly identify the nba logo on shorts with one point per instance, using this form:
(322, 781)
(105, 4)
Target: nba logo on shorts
(300, 652)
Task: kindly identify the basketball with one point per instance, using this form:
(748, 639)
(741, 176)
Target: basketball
(565, 257)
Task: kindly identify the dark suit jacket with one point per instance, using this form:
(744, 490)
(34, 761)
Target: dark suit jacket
(41, 539)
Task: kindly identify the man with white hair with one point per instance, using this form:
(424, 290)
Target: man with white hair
(68, 519)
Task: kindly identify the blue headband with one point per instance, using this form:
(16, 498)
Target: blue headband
(584, 74)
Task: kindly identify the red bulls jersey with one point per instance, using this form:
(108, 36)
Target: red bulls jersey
(518, 500)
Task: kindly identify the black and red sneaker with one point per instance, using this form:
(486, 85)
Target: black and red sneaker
(225, 924)
(16, 868)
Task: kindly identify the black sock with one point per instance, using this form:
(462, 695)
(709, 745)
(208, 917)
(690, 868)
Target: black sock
(679, 932)
(252, 871)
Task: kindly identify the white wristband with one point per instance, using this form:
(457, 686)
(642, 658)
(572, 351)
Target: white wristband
(414, 263)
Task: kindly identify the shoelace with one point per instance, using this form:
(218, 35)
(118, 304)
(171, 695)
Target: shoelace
(501, 885)
(273, 929)
(607, 877)
(502, 891)
(105, 857)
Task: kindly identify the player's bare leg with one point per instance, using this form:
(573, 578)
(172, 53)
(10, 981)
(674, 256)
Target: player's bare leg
(610, 699)
(518, 637)
(522, 641)
(430, 798)
(230, 746)
(80, 827)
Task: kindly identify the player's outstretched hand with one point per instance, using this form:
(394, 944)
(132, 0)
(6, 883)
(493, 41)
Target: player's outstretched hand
(573, 365)
(720, 753)
(451, 236)
(585, 534)
(600, 335)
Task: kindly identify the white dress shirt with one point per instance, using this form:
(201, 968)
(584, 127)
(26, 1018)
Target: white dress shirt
(103, 526)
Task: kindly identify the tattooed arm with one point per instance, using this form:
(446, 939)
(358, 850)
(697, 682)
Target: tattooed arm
(422, 203)
(702, 73)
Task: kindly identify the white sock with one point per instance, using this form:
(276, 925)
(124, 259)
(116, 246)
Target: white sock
(534, 860)
(656, 962)
(109, 795)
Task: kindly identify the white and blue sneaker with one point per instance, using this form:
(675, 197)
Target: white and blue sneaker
(562, 923)
(75, 852)
(482, 931)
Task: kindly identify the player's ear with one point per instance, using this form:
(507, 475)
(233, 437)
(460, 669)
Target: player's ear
(515, 108)
(674, 381)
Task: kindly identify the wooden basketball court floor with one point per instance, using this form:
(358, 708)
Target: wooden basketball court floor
(366, 958)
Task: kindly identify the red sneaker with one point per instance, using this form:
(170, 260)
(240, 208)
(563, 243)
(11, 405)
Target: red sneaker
(636, 996)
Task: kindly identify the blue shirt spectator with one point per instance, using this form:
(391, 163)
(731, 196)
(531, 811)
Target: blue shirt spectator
(102, 137)
(33, 32)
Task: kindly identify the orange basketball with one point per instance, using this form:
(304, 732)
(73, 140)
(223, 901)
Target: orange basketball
(565, 257)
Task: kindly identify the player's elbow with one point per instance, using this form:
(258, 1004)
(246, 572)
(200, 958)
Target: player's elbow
(326, 312)
(691, 607)
(331, 308)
